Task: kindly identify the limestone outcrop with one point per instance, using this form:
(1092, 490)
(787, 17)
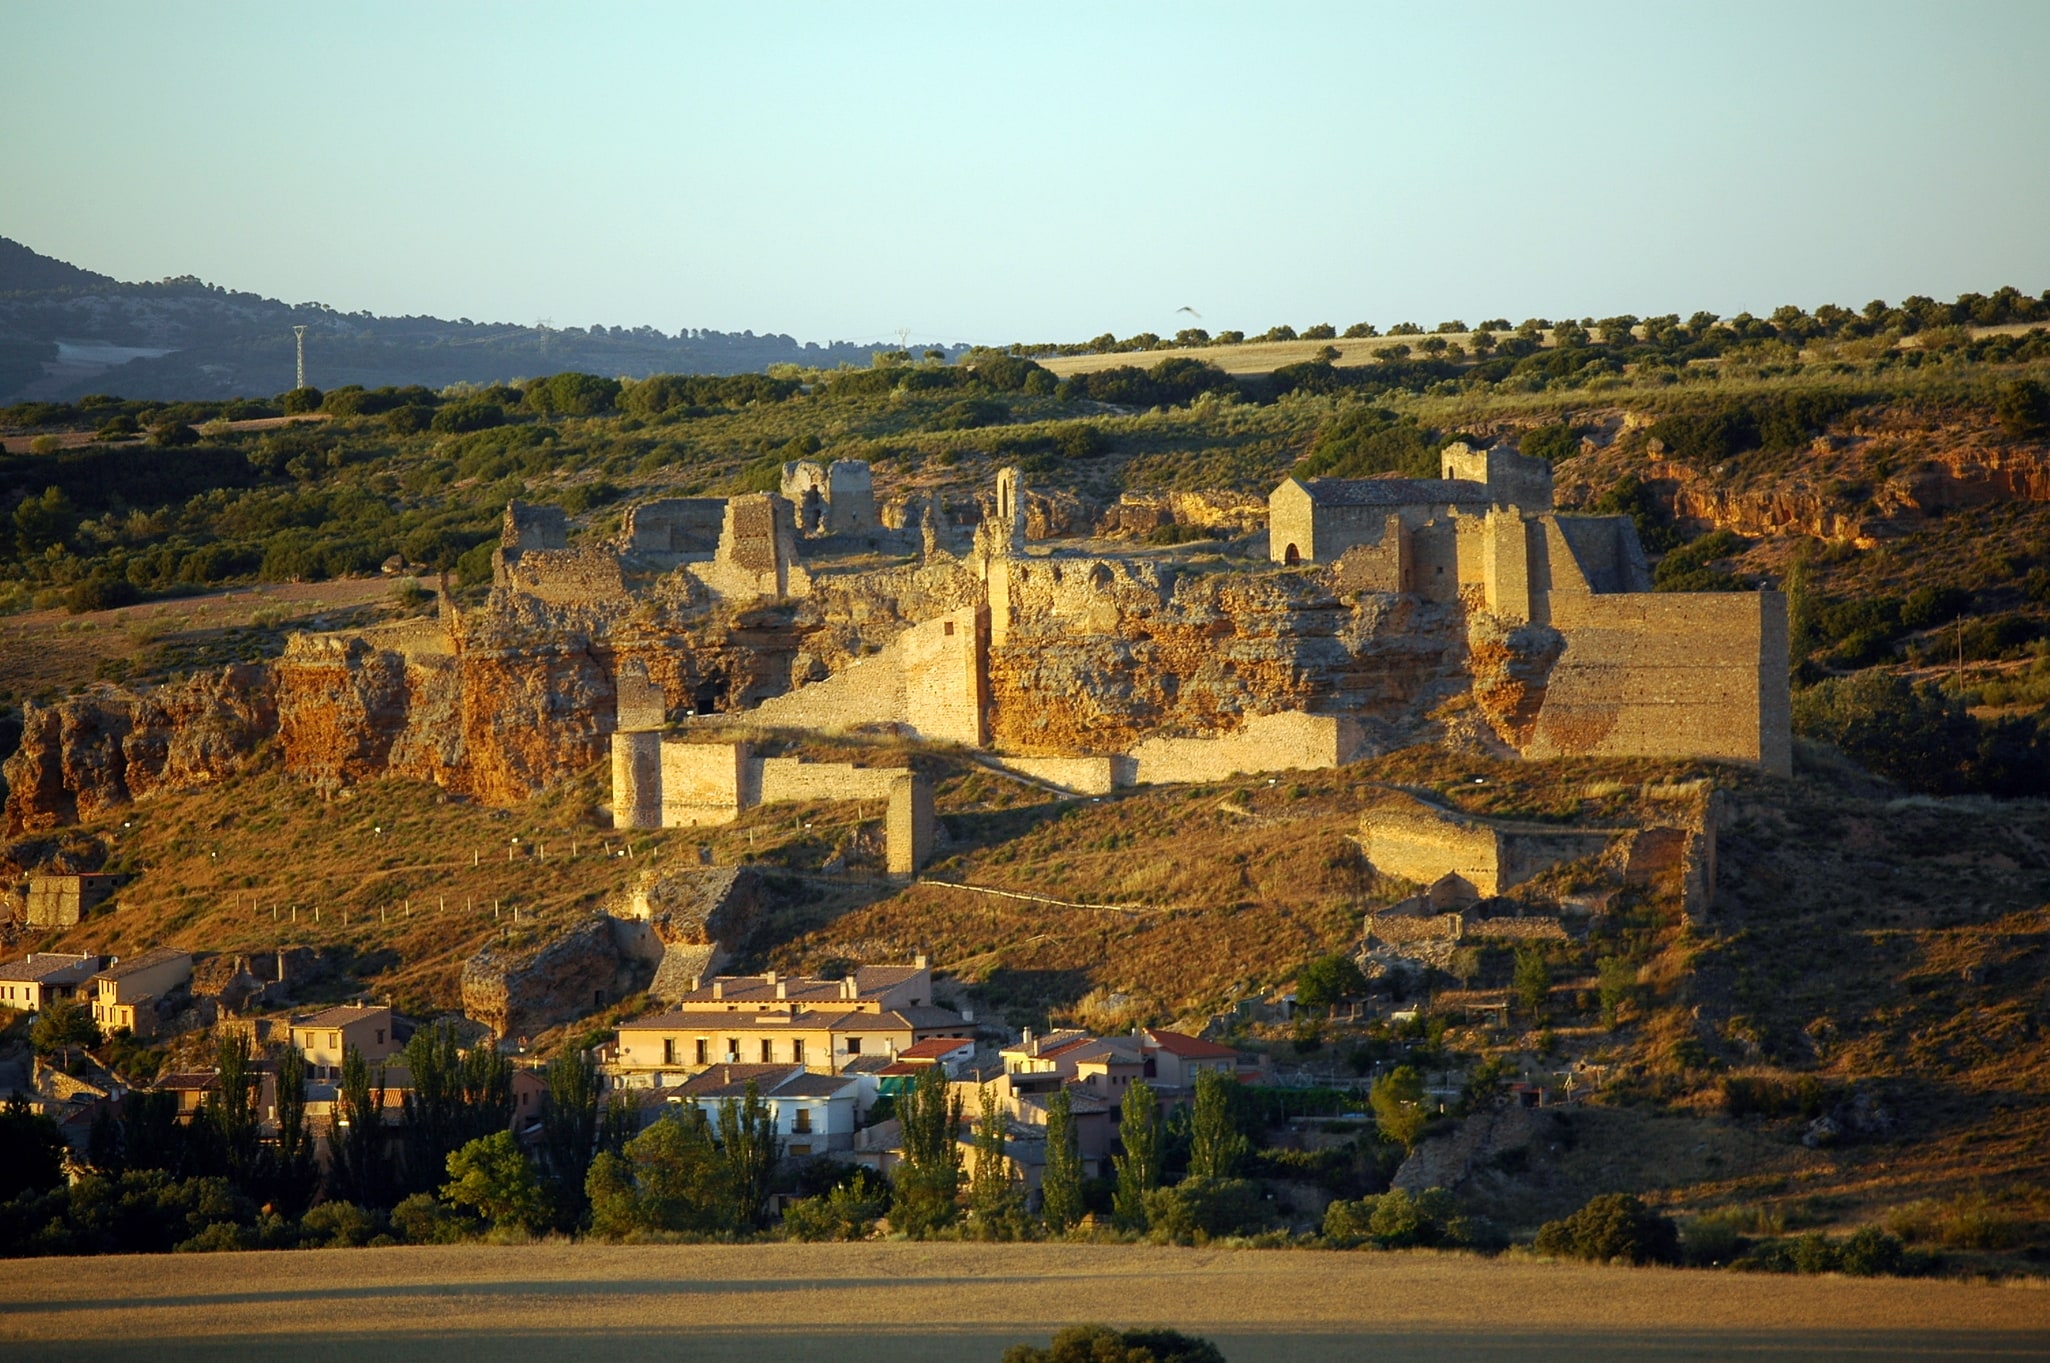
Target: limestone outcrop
(84, 756)
(595, 962)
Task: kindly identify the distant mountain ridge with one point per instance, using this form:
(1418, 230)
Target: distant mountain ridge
(66, 332)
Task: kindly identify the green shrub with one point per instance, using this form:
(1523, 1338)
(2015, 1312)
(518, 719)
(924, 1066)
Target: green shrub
(1612, 1227)
(1101, 1344)
(1200, 1209)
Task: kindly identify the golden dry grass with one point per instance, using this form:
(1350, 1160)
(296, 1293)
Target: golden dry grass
(904, 1301)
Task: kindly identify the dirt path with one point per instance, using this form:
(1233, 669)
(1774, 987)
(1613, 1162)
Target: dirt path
(903, 1303)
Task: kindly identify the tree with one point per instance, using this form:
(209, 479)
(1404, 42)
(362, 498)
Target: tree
(62, 1023)
(230, 1110)
(1398, 1102)
(2023, 408)
(492, 1174)
(457, 1096)
(569, 1134)
(31, 1150)
(1532, 980)
(1101, 1344)
(930, 1177)
(668, 1178)
(1327, 980)
(749, 1150)
(1610, 1227)
(1138, 1165)
(1215, 1144)
(993, 1193)
(357, 1171)
(1618, 985)
(1061, 1184)
(301, 400)
(291, 1175)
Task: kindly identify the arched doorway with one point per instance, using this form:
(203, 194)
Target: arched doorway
(1291, 556)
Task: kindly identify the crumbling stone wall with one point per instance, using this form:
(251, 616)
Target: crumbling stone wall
(909, 824)
(1414, 840)
(929, 681)
(1661, 675)
(1280, 742)
(674, 527)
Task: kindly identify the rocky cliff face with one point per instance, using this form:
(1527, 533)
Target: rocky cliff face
(1131, 649)
(1877, 475)
(84, 756)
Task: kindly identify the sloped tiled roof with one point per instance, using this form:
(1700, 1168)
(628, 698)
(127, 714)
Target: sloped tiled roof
(342, 1015)
(933, 1048)
(1189, 1047)
(44, 965)
(128, 965)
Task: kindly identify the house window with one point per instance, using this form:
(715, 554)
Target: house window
(949, 629)
(334, 1041)
(380, 1036)
(669, 1050)
(854, 1045)
(800, 1149)
(800, 1122)
(768, 1052)
(797, 1050)
(704, 1051)
(732, 1050)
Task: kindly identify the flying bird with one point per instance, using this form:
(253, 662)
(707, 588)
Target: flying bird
(1192, 312)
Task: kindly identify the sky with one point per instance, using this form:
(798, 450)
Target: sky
(993, 173)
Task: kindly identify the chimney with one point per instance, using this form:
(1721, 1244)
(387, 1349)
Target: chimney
(768, 977)
(919, 960)
(967, 1014)
(1028, 1037)
(719, 989)
(782, 988)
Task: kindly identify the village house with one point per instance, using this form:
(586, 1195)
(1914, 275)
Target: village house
(324, 1037)
(819, 1024)
(813, 1114)
(126, 992)
(1174, 1059)
(26, 985)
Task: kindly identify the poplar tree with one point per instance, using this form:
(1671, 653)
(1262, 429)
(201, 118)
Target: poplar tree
(993, 1195)
(569, 1133)
(748, 1150)
(1061, 1186)
(1138, 1166)
(930, 1177)
(1215, 1145)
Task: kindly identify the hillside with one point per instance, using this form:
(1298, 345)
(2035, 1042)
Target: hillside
(66, 332)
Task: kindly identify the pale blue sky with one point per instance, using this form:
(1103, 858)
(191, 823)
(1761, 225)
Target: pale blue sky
(994, 173)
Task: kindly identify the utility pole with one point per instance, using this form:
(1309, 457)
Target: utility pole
(300, 334)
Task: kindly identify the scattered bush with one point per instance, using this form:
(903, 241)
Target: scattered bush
(1101, 1344)
(1611, 1228)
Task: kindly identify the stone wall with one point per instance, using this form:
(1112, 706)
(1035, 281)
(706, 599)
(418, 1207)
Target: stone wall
(61, 901)
(1693, 674)
(757, 552)
(1080, 775)
(928, 682)
(702, 783)
(587, 575)
(1281, 742)
(674, 526)
(1423, 842)
(791, 780)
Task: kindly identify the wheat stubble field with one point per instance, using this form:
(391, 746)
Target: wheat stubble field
(908, 1303)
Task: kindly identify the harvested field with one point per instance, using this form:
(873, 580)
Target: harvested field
(908, 1302)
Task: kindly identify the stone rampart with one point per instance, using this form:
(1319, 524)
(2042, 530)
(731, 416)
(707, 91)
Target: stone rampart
(589, 575)
(1693, 674)
(637, 779)
(792, 780)
(1081, 775)
(701, 783)
(1281, 742)
(1413, 840)
(674, 526)
(928, 681)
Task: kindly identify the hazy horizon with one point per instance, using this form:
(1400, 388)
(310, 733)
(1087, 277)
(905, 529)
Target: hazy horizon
(993, 175)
